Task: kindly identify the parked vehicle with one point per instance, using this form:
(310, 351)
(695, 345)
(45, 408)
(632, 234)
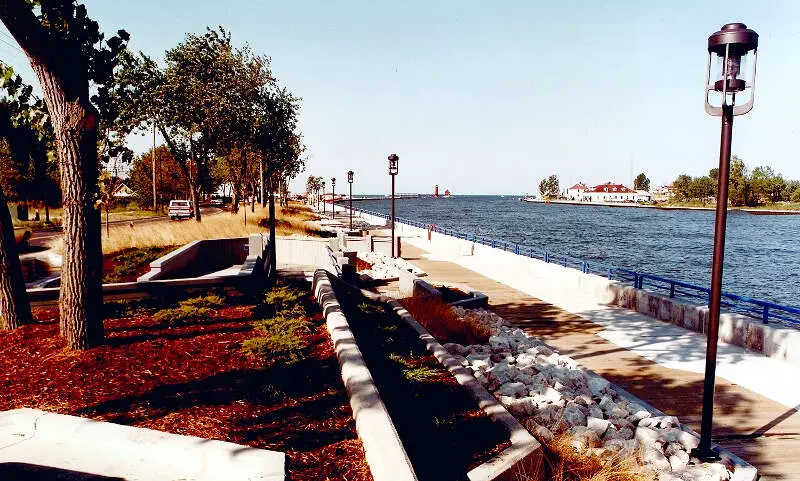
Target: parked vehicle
(180, 209)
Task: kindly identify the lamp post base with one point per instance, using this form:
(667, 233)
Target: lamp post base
(705, 455)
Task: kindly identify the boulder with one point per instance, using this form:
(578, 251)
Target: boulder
(653, 457)
(583, 438)
(597, 385)
(513, 389)
(646, 437)
(499, 343)
(573, 416)
(679, 460)
(595, 411)
(599, 426)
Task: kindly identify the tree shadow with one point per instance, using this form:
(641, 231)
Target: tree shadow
(35, 472)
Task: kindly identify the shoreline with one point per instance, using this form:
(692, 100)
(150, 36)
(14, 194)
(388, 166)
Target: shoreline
(749, 210)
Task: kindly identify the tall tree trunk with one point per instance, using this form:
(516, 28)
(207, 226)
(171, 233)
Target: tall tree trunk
(14, 306)
(253, 200)
(236, 200)
(273, 258)
(81, 302)
(195, 193)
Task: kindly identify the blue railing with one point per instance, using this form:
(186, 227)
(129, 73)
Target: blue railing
(764, 310)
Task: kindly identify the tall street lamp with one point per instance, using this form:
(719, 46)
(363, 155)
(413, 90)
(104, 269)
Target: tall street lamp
(393, 160)
(333, 196)
(350, 181)
(323, 196)
(729, 50)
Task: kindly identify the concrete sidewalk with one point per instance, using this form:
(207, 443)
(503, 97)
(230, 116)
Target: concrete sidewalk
(756, 400)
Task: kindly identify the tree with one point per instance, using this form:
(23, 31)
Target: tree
(548, 187)
(701, 188)
(170, 182)
(67, 53)
(682, 186)
(739, 183)
(194, 102)
(641, 182)
(766, 186)
(14, 306)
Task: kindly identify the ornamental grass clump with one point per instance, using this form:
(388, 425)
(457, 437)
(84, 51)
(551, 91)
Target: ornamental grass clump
(439, 319)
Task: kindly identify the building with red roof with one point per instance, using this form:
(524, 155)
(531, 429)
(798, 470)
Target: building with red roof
(609, 192)
(576, 191)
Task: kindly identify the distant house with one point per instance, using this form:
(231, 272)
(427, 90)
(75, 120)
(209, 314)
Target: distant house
(609, 192)
(576, 191)
(643, 196)
(663, 193)
(123, 191)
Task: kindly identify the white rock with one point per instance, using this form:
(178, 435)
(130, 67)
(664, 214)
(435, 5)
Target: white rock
(599, 426)
(551, 395)
(498, 343)
(679, 460)
(688, 441)
(645, 436)
(655, 458)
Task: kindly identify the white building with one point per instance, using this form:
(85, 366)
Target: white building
(609, 192)
(643, 196)
(576, 191)
(663, 193)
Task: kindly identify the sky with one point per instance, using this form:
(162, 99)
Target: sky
(490, 97)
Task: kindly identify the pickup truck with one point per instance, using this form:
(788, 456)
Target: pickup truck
(179, 209)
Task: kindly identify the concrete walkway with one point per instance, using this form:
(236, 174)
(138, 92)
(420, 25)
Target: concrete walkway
(657, 362)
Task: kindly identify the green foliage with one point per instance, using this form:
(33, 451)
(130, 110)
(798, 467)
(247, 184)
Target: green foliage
(281, 299)
(277, 347)
(181, 314)
(282, 323)
(192, 309)
(548, 187)
(641, 182)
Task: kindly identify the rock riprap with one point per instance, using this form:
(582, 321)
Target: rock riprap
(384, 267)
(551, 394)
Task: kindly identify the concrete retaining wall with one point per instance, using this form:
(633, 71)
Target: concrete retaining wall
(182, 262)
(554, 283)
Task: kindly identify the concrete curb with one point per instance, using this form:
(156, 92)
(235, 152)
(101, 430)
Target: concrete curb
(524, 455)
(383, 449)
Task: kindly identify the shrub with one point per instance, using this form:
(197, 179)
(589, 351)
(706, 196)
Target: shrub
(210, 301)
(282, 323)
(281, 300)
(181, 314)
(277, 347)
(443, 324)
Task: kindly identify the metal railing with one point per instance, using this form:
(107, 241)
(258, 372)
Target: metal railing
(755, 308)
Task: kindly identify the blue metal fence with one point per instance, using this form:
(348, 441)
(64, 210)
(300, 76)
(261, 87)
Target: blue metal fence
(755, 308)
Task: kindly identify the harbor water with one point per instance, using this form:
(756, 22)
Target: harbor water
(762, 252)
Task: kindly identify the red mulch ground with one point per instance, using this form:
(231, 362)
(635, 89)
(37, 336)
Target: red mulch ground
(191, 380)
(362, 265)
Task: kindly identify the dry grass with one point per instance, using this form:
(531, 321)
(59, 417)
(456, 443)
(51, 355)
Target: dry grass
(295, 220)
(443, 324)
(562, 462)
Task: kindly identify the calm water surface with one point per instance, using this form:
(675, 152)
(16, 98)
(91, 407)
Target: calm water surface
(762, 252)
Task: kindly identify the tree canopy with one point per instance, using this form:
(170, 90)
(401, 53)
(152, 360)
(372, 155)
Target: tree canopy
(549, 187)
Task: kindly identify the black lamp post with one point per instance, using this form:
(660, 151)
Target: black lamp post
(323, 196)
(333, 196)
(393, 160)
(350, 181)
(730, 50)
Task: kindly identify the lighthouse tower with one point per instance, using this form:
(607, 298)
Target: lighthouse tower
(436, 191)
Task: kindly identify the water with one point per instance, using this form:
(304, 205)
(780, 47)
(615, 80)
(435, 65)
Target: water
(762, 252)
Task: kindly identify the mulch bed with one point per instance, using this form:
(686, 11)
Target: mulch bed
(443, 430)
(362, 265)
(191, 380)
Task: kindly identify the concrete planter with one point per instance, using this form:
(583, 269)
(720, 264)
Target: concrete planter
(476, 299)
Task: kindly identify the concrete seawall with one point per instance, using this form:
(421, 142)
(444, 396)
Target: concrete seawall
(578, 292)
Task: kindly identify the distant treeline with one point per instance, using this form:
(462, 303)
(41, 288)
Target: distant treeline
(747, 188)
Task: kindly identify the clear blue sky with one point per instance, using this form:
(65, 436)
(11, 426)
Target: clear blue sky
(489, 97)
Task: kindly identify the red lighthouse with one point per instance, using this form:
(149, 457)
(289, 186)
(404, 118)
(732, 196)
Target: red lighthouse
(436, 191)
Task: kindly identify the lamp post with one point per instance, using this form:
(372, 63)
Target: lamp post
(333, 196)
(323, 197)
(729, 50)
(393, 160)
(350, 181)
